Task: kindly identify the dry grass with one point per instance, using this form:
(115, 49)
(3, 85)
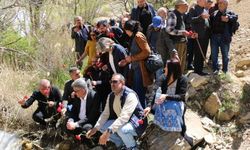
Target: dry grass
(14, 85)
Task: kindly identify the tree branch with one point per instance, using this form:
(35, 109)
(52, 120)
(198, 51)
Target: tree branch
(12, 42)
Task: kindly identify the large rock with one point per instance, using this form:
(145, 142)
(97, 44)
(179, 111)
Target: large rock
(190, 93)
(194, 127)
(226, 115)
(239, 73)
(243, 62)
(212, 104)
(197, 80)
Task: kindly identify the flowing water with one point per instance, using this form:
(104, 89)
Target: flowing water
(9, 141)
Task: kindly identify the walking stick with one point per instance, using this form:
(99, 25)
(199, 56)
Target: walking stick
(198, 42)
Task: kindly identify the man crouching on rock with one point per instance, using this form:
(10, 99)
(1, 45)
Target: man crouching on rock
(48, 98)
(122, 118)
(85, 109)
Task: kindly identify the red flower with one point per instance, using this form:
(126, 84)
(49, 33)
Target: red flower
(111, 35)
(59, 109)
(78, 137)
(140, 121)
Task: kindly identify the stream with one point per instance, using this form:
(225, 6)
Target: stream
(9, 141)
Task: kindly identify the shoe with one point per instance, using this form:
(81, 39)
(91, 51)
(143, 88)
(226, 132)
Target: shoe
(190, 67)
(216, 72)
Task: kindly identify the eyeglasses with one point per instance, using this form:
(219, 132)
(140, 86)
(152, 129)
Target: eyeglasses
(113, 81)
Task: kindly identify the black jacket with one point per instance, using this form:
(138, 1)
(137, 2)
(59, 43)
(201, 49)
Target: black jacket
(197, 22)
(54, 96)
(68, 90)
(181, 88)
(92, 108)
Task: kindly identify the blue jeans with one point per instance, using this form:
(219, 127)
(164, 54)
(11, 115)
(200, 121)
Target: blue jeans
(217, 42)
(124, 135)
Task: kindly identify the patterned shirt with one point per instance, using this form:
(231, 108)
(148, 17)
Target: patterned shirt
(171, 23)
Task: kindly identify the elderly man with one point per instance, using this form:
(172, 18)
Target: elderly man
(121, 118)
(144, 12)
(199, 18)
(80, 35)
(222, 21)
(74, 73)
(48, 98)
(85, 108)
(177, 31)
(163, 13)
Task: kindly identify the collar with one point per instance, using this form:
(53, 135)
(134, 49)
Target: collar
(85, 97)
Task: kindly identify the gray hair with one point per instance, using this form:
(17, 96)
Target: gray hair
(162, 9)
(77, 17)
(72, 69)
(44, 82)
(121, 77)
(102, 44)
(80, 83)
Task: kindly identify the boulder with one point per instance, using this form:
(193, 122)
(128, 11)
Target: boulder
(243, 62)
(197, 80)
(212, 104)
(194, 127)
(244, 119)
(191, 92)
(240, 73)
(225, 115)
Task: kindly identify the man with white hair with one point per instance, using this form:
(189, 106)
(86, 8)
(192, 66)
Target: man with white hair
(48, 98)
(222, 24)
(85, 108)
(199, 19)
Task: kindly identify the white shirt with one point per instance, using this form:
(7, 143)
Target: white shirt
(82, 114)
(111, 62)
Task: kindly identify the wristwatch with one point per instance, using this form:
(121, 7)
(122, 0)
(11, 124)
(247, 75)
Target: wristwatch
(109, 131)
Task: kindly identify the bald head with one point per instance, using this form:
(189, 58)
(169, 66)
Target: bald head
(44, 83)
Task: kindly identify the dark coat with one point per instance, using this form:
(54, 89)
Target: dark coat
(92, 108)
(55, 96)
(68, 90)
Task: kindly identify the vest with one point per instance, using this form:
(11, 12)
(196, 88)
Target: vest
(180, 25)
(136, 115)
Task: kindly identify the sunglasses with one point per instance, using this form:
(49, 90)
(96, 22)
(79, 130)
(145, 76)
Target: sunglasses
(113, 81)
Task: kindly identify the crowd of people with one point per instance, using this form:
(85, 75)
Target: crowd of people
(117, 91)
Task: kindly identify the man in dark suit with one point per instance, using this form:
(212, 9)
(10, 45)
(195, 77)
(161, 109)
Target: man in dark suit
(85, 108)
(144, 12)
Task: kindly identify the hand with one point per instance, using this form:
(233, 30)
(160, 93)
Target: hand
(146, 111)
(186, 33)
(128, 59)
(194, 35)
(122, 63)
(205, 15)
(71, 125)
(104, 138)
(73, 95)
(93, 83)
(78, 62)
(22, 101)
(161, 99)
(224, 18)
(63, 111)
(104, 67)
(91, 133)
(51, 103)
